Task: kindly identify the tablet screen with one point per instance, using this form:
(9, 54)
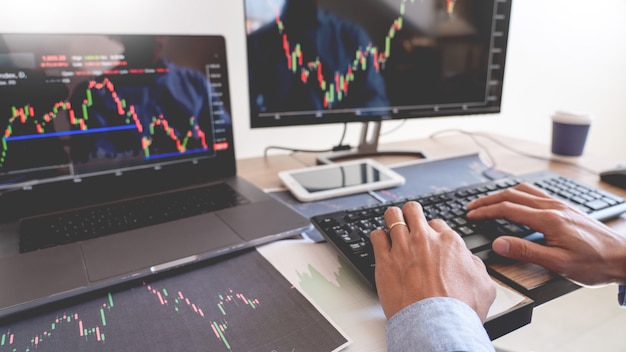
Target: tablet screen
(340, 176)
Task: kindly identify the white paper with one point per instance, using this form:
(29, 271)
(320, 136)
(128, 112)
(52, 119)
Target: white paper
(327, 280)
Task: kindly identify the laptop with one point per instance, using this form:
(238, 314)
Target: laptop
(91, 120)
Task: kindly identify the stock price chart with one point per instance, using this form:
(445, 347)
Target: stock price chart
(240, 304)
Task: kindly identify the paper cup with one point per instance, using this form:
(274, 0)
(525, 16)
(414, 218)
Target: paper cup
(569, 133)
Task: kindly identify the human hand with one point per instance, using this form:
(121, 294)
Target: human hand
(426, 259)
(577, 247)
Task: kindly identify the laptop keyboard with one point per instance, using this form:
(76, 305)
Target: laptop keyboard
(61, 228)
(349, 230)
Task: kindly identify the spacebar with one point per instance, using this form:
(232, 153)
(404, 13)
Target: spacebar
(477, 242)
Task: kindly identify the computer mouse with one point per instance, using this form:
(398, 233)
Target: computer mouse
(616, 176)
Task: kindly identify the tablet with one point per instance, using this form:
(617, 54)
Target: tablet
(339, 179)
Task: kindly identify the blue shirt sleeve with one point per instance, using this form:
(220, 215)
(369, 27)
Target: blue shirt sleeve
(437, 324)
(621, 295)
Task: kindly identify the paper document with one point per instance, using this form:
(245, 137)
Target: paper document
(323, 276)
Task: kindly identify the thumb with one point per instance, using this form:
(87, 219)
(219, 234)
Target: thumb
(521, 249)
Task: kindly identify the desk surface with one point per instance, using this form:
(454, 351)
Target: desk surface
(262, 170)
(509, 155)
(334, 290)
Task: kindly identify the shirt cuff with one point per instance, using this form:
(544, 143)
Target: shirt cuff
(437, 324)
(620, 295)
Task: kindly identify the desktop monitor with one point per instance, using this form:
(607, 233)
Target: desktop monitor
(330, 61)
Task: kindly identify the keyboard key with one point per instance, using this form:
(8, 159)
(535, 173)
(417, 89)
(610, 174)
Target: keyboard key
(50, 230)
(596, 204)
(477, 242)
(348, 230)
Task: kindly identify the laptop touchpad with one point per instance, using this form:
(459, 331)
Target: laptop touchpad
(136, 251)
(34, 276)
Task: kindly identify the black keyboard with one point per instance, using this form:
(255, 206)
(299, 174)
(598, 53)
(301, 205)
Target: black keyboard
(349, 230)
(49, 230)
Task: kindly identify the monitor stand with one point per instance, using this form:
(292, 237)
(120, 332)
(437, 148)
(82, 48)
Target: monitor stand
(368, 146)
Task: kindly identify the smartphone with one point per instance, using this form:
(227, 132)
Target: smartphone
(339, 179)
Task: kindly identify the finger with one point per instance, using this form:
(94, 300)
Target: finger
(439, 225)
(530, 189)
(398, 235)
(526, 251)
(414, 215)
(521, 194)
(447, 234)
(380, 243)
(531, 217)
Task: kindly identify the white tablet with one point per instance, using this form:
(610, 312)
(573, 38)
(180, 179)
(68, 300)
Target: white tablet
(339, 179)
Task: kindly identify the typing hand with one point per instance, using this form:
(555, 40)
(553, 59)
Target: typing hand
(577, 246)
(426, 259)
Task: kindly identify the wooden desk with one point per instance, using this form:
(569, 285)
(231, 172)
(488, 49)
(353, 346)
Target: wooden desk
(531, 280)
(262, 170)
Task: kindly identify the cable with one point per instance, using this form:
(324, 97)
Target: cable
(338, 147)
(377, 197)
(343, 135)
(473, 135)
(395, 128)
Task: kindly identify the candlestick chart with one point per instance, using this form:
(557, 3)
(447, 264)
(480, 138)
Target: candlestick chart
(336, 88)
(155, 135)
(240, 304)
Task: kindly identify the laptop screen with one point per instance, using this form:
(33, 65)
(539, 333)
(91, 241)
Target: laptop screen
(76, 106)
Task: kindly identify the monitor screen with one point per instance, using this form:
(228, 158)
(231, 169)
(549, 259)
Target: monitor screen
(329, 61)
(76, 106)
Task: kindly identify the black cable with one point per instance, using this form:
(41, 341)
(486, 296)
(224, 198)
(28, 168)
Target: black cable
(338, 147)
(343, 135)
